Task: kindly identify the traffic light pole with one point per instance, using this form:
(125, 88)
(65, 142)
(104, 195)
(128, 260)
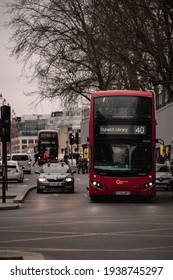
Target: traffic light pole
(4, 170)
(5, 128)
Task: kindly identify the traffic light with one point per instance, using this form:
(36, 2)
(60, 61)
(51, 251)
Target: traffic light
(5, 123)
(71, 139)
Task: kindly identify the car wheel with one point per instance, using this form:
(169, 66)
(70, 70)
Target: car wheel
(72, 190)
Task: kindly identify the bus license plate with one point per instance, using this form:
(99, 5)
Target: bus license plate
(122, 193)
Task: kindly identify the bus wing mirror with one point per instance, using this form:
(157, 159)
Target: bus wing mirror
(160, 141)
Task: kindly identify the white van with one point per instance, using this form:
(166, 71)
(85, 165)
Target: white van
(24, 160)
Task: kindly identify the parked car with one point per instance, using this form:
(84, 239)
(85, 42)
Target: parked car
(8, 157)
(24, 160)
(163, 176)
(14, 171)
(55, 177)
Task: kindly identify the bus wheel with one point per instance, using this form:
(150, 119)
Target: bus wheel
(93, 198)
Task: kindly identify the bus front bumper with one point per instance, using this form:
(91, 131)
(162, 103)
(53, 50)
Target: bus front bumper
(107, 190)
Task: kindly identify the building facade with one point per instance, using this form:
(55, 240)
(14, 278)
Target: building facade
(24, 130)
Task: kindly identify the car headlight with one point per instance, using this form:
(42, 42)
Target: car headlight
(41, 179)
(68, 179)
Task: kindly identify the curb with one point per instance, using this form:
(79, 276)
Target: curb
(20, 198)
(19, 255)
(17, 200)
(11, 206)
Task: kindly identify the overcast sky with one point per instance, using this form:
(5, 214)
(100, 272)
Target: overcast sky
(11, 86)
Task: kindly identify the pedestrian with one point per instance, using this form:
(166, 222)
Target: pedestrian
(36, 156)
(80, 165)
(45, 155)
(85, 165)
(77, 158)
(66, 158)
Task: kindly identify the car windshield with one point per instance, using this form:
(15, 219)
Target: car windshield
(55, 169)
(163, 168)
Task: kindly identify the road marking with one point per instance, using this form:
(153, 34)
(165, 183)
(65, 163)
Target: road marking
(71, 234)
(38, 249)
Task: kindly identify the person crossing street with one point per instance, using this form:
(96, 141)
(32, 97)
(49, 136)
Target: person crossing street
(36, 156)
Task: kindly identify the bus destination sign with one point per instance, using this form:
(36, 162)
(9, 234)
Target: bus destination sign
(123, 129)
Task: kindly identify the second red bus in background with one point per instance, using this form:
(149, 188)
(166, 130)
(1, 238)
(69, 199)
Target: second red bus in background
(48, 142)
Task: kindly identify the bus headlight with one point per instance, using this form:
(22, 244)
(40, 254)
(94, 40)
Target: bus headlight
(96, 184)
(147, 185)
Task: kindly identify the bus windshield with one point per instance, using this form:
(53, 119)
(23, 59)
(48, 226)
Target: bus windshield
(123, 159)
(128, 107)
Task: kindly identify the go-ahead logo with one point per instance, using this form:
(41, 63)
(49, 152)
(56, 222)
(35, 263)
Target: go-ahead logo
(120, 182)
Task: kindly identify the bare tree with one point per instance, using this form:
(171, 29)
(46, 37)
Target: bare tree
(60, 40)
(143, 32)
(76, 46)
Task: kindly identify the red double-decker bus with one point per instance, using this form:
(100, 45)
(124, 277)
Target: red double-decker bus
(48, 140)
(122, 138)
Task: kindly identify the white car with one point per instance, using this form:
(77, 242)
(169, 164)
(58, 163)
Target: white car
(24, 160)
(163, 176)
(14, 171)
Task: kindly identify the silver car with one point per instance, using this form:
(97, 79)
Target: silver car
(163, 176)
(14, 171)
(55, 177)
